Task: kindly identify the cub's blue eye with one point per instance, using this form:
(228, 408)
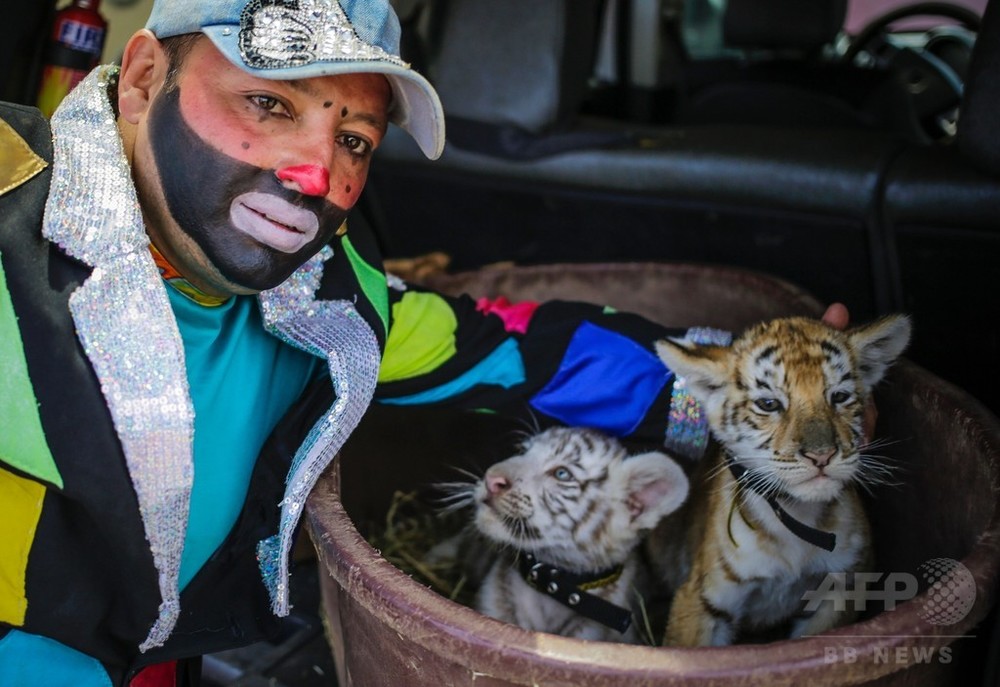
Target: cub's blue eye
(768, 405)
(562, 474)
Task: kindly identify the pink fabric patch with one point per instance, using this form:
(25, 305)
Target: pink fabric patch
(516, 316)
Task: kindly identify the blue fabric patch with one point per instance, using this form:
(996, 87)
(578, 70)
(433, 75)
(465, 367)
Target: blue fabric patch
(605, 381)
(503, 367)
(27, 659)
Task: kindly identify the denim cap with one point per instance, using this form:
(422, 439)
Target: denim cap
(298, 39)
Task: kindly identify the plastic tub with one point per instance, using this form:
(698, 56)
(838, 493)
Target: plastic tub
(387, 629)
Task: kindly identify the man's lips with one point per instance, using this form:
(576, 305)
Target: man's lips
(273, 221)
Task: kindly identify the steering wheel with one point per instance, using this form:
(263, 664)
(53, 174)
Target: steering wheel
(879, 25)
(931, 75)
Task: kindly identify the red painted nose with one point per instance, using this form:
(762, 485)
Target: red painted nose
(311, 180)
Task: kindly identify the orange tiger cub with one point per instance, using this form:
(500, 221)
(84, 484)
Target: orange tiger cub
(774, 507)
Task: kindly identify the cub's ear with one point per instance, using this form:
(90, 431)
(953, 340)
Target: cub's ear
(878, 344)
(657, 486)
(703, 366)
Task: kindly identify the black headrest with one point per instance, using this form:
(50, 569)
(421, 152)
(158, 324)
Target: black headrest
(520, 63)
(783, 24)
(977, 124)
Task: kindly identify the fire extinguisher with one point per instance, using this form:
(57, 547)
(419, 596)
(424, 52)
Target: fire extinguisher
(74, 49)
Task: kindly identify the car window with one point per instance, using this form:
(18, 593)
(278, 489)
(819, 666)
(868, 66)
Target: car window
(861, 12)
(702, 21)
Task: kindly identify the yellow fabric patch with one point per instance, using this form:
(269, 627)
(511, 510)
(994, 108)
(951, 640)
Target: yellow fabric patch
(421, 339)
(20, 509)
(18, 162)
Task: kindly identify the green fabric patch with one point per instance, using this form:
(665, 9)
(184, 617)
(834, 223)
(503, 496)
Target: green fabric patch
(372, 282)
(422, 337)
(22, 440)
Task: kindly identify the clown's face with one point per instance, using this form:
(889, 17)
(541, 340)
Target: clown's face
(243, 179)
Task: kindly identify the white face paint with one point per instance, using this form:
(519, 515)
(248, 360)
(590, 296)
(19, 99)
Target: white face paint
(273, 221)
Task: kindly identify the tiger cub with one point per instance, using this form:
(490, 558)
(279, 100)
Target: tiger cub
(774, 506)
(568, 512)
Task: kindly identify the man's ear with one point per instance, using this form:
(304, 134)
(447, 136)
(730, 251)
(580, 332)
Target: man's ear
(143, 71)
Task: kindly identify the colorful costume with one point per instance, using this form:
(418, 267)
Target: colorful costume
(97, 422)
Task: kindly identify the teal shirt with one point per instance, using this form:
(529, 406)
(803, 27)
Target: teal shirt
(242, 382)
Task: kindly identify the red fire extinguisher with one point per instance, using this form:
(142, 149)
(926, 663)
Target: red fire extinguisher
(74, 49)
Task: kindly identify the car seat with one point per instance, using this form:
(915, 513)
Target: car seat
(780, 71)
(512, 74)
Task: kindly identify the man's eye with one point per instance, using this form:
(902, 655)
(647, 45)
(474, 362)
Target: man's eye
(269, 104)
(355, 144)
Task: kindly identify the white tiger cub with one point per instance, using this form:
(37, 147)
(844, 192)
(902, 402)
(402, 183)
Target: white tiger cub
(774, 506)
(569, 512)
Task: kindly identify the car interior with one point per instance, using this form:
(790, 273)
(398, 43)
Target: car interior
(756, 133)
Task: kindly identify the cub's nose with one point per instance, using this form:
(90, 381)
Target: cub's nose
(496, 484)
(820, 457)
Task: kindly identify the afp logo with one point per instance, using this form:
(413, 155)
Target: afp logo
(950, 591)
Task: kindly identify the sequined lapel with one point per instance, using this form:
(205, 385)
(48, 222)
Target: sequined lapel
(125, 325)
(333, 330)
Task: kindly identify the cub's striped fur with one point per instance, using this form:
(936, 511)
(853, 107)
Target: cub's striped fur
(571, 498)
(786, 403)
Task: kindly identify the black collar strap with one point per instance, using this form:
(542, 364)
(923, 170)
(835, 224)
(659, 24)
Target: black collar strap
(570, 589)
(824, 540)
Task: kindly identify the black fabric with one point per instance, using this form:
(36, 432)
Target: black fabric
(552, 327)
(977, 128)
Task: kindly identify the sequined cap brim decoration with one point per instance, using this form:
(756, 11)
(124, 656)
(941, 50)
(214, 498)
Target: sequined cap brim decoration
(336, 331)
(277, 35)
(687, 427)
(125, 324)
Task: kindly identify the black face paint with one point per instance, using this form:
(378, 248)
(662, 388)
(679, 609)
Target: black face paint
(200, 185)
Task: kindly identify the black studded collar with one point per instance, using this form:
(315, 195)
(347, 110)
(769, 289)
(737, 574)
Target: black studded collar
(572, 590)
